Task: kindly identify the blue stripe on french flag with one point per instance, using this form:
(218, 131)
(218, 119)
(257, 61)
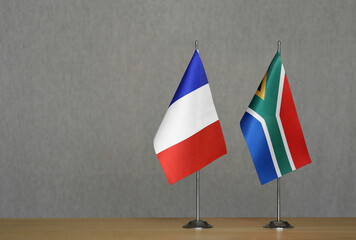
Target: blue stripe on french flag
(193, 78)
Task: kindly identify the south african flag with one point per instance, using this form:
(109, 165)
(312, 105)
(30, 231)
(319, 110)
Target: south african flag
(271, 127)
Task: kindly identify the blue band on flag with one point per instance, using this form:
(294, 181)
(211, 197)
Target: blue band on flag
(256, 141)
(193, 78)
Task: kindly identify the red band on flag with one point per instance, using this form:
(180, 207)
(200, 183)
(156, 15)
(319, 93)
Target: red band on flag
(292, 128)
(194, 153)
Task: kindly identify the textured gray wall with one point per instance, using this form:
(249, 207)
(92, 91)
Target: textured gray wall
(84, 86)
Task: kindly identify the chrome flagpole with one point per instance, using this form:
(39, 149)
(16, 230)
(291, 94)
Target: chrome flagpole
(197, 192)
(278, 201)
(197, 223)
(278, 223)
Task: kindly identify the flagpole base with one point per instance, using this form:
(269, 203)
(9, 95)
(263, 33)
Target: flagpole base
(197, 224)
(278, 225)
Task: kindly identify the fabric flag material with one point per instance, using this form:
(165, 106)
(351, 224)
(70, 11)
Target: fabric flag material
(271, 127)
(190, 135)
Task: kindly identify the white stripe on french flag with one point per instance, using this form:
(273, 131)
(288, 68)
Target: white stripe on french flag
(185, 117)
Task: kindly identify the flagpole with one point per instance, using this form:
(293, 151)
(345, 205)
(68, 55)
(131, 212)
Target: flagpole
(278, 183)
(197, 174)
(278, 224)
(278, 202)
(197, 182)
(197, 223)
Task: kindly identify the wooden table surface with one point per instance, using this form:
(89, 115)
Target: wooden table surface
(171, 228)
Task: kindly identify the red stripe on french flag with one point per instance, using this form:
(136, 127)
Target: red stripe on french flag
(194, 153)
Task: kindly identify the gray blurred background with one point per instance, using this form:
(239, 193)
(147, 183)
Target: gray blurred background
(84, 86)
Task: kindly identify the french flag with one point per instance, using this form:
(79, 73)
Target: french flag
(190, 135)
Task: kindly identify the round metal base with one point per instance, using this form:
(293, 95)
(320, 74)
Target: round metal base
(278, 224)
(197, 224)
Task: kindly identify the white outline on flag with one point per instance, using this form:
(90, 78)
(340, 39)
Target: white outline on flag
(268, 138)
(278, 111)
